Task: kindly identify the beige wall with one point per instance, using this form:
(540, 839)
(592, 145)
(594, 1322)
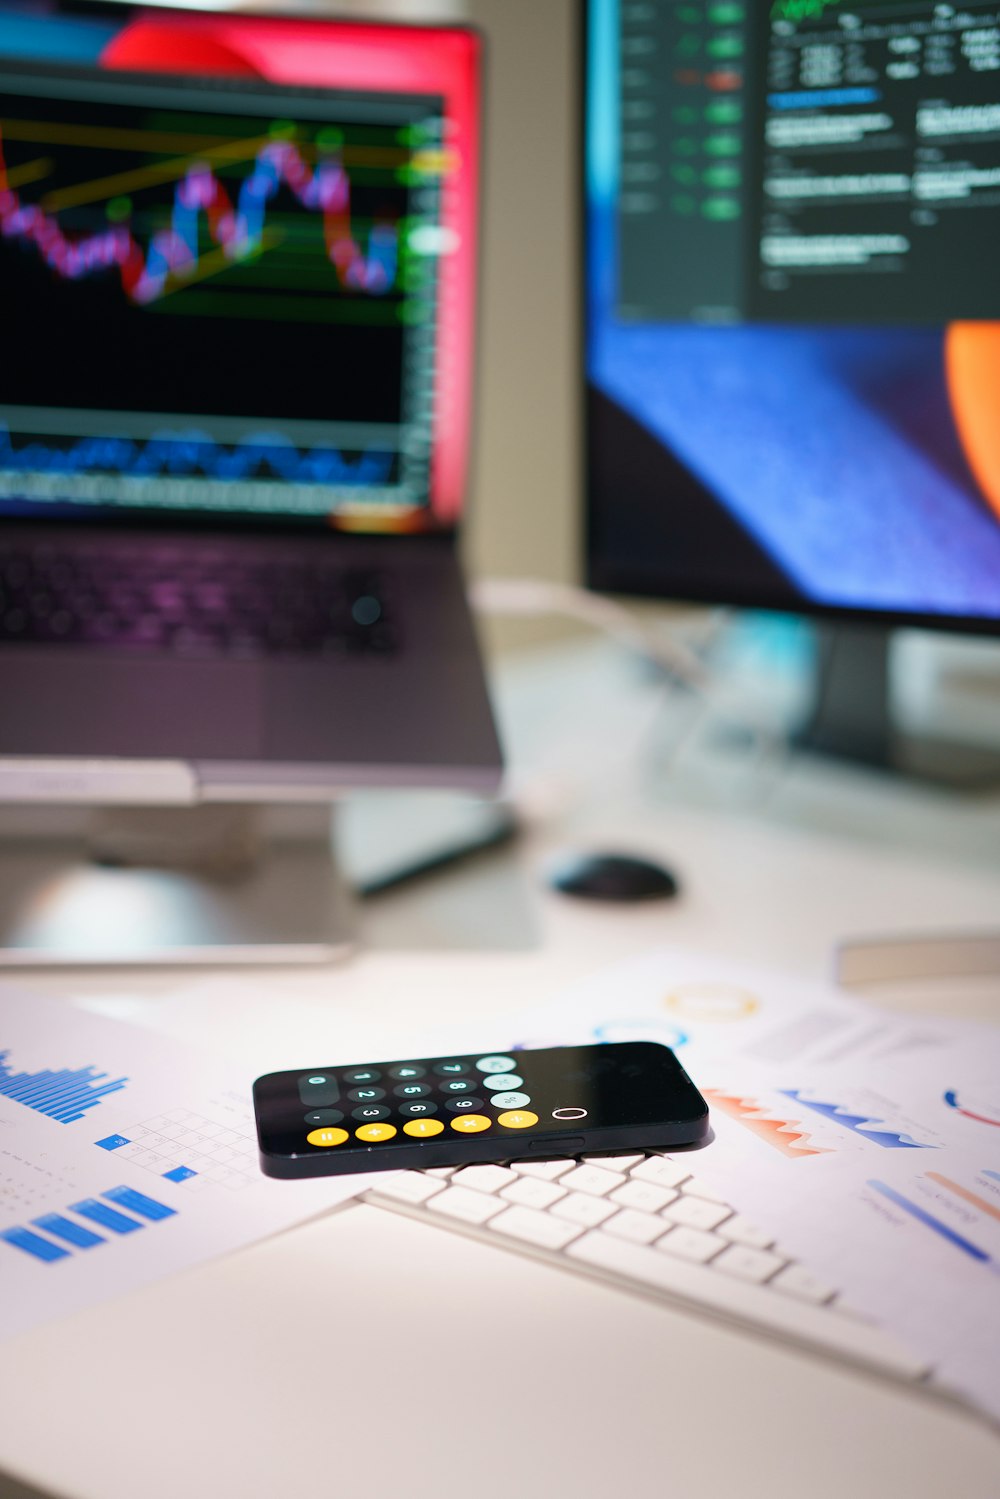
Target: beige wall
(524, 515)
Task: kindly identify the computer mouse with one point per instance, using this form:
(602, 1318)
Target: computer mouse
(613, 877)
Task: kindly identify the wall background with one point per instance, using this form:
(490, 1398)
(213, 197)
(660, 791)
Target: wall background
(524, 516)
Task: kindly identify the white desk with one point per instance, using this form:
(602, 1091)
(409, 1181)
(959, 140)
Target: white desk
(367, 1353)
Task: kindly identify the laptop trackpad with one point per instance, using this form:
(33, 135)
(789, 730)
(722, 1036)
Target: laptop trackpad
(66, 703)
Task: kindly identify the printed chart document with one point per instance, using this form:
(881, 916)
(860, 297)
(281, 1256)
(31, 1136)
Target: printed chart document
(124, 1156)
(886, 1179)
(866, 1143)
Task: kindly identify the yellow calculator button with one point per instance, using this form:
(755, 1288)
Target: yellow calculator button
(422, 1127)
(374, 1134)
(326, 1136)
(470, 1124)
(518, 1119)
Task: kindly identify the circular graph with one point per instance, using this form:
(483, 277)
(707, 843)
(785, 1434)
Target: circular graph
(641, 1030)
(972, 1107)
(709, 1001)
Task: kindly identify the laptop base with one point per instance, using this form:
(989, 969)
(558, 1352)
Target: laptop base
(196, 886)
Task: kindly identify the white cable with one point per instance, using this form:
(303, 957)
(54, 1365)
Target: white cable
(534, 597)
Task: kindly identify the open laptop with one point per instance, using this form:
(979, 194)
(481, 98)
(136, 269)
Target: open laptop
(237, 280)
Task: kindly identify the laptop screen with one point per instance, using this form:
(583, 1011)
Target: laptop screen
(237, 269)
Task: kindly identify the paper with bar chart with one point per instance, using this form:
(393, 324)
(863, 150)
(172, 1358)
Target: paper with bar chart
(124, 1156)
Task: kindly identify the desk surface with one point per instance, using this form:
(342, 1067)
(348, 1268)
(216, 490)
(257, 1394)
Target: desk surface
(366, 1351)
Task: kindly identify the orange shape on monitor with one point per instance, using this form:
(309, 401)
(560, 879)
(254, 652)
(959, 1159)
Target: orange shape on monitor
(972, 363)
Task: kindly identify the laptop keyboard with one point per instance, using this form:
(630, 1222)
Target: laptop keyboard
(646, 1223)
(187, 601)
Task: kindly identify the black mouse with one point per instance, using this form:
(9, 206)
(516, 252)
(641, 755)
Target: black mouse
(615, 877)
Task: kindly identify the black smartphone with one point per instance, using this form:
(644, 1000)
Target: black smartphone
(453, 1111)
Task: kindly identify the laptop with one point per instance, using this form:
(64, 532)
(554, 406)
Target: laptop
(237, 260)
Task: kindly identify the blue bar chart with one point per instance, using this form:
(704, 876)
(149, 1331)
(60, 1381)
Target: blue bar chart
(34, 1244)
(70, 1232)
(103, 1222)
(929, 1220)
(64, 1095)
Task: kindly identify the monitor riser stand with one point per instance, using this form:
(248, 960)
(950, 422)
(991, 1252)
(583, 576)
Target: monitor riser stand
(201, 885)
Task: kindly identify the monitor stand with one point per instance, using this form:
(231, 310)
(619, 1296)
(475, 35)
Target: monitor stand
(172, 885)
(851, 717)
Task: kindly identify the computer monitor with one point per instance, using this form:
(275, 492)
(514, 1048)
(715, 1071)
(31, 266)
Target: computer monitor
(792, 210)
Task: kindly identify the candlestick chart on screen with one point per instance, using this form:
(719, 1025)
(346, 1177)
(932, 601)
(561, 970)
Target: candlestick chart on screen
(236, 256)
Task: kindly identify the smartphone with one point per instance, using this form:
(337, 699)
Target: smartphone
(453, 1111)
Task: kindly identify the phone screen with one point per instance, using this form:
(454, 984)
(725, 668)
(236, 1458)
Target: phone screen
(453, 1109)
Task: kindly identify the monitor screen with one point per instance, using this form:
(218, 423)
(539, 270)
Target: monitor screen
(793, 372)
(236, 261)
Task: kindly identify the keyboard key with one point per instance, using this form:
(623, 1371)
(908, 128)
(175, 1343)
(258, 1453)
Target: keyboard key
(441, 1171)
(797, 1281)
(593, 1180)
(543, 1170)
(485, 1178)
(739, 1230)
(756, 1265)
(847, 1309)
(533, 1194)
(638, 1228)
(540, 1229)
(409, 1186)
(614, 1162)
(689, 1244)
(469, 1206)
(643, 1196)
(577, 1207)
(693, 1187)
(695, 1212)
(660, 1171)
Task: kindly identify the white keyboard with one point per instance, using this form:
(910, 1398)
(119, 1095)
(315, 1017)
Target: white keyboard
(645, 1222)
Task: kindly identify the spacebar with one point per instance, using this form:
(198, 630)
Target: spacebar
(767, 1310)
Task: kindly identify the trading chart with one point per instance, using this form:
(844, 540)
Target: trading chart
(220, 297)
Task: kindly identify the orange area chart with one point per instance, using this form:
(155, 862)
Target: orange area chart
(785, 1135)
(972, 362)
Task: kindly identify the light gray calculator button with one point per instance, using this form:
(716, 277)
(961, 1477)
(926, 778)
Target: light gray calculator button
(509, 1100)
(496, 1064)
(504, 1080)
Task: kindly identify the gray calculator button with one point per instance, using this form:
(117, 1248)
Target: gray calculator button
(371, 1113)
(496, 1064)
(458, 1085)
(318, 1090)
(366, 1095)
(450, 1068)
(463, 1105)
(320, 1117)
(362, 1075)
(504, 1082)
(406, 1072)
(412, 1090)
(422, 1109)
